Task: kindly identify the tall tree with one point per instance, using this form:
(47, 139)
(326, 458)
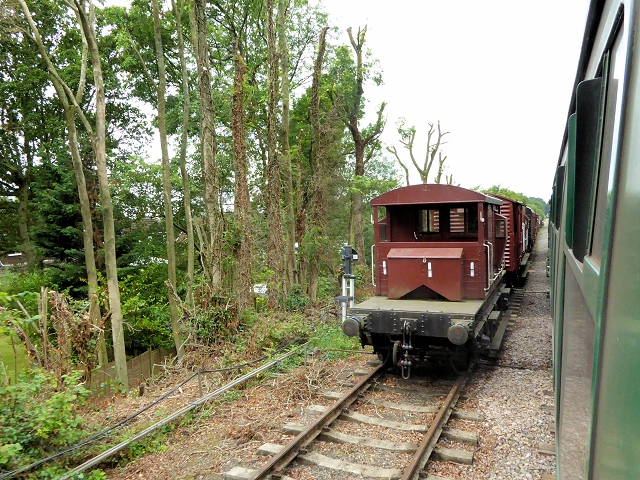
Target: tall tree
(318, 182)
(212, 249)
(285, 160)
(23, 112)
(166, 179)
(241, 210)
(361, 139)
(186, 104)
(28, 114)
(86, 19)
(70, 102)
(434, 147)
(274, 187)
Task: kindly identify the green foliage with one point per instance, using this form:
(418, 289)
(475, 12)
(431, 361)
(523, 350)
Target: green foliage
(215, 321)
(22, 297)
(56, 210)
(231, 395)
(150, 444)
(37, 418)
(10, 240)
(297, 300)
(144, 305)
(326, 337)
(328, 288)
(313, 242)
(14, 283)
(538, 205)
(12, 363)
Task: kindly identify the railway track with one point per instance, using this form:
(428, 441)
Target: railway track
(401, 425)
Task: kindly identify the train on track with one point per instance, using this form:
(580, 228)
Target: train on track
(594, 234)
(443, 257)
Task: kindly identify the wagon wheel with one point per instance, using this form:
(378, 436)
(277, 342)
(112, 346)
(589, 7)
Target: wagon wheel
(396, 353)
(384, 355)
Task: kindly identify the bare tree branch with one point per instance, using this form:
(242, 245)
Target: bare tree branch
(404, 167)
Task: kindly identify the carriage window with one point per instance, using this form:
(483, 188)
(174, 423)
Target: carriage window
(583, 166)
(609, 145)
(500, 230)
(429, 221)
(464, 220)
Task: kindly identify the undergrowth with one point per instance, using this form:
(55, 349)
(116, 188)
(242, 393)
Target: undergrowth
(37, 418)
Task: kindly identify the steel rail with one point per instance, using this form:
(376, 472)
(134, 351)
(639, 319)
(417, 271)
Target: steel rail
(191, 406)
(422, 454)
(279, 461)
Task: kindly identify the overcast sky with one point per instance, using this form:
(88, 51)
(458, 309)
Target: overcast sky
(497, 74)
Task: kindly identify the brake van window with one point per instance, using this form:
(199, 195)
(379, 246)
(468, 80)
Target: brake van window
(464, 220)
(429, 221)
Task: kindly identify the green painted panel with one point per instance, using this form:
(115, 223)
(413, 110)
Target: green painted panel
(574, 422)
(590, 283)
(571, 175)
(558, 309)
(617, 449)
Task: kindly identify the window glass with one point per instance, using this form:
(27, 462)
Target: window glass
(609, 145)
(589, 108)
(382, 232)
(429, 221)
(500, 229)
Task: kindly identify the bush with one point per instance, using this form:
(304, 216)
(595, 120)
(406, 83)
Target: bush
(328, 288)
(297, 300)
(144, 304)
(215, 322)
(37, 418)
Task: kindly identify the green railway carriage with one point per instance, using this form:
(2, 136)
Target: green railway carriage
(594, 234)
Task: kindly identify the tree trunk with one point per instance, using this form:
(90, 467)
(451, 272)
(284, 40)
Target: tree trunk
(357, 224)
(166, 182)
(241, 211)
(210, 175)
(357, 232)
(99, 148)
(319, 176)
(183, 156)
(23, 222)
(23, 208)
(300, 212)
(87, 230)
(274, 187)
(285, 160)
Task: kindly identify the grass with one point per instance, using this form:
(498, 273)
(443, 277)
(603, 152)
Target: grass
(9, 358)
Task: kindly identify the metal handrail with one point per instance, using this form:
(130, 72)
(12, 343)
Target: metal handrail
(373, 267)
(488, 276)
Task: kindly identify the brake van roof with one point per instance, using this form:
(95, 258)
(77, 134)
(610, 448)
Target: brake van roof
(432, 193)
